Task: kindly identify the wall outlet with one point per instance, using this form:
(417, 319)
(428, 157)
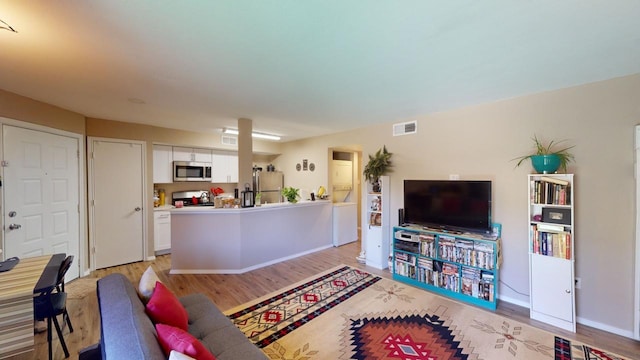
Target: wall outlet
(578, 283)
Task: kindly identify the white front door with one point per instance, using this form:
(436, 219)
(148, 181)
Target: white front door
(41, 192)
(116, 199)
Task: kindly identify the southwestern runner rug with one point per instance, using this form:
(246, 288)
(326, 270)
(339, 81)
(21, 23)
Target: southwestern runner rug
(346, 313)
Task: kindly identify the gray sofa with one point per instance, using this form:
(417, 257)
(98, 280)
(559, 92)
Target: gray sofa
(127, 332)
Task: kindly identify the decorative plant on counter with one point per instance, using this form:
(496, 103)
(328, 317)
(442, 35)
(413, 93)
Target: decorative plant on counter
(546, 159)
(378, 165)
(291, 194)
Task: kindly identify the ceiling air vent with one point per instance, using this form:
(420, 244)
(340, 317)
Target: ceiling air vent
(405, 128)
(229, 140)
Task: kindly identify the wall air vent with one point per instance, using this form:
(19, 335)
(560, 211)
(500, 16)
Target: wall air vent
(405, 128)
(229, 140)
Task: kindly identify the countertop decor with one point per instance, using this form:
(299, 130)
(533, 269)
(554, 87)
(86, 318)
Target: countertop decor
(291, 194)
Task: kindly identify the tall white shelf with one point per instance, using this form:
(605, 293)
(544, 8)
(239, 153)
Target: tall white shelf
(551, 250)
(378, 230)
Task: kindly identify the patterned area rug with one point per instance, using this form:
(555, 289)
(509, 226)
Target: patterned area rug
(346, 313)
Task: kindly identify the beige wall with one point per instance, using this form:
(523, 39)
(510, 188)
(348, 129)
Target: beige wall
(479, 142)
(18, 107)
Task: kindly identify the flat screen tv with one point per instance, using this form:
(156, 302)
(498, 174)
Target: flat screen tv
(457, 205)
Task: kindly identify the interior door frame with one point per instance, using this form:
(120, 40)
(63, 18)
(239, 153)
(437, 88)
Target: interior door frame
(82, 192)
(636, 297)
(145, 231)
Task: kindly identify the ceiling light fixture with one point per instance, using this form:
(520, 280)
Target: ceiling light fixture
(253, 134)
(6, 26)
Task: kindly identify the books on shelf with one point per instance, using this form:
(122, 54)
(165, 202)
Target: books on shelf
(550, 191)
(554, 180)
(427, 245)
(550, 243)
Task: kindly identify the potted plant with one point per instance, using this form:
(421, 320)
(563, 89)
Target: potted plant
(291, 194)
(547, 159)
(258, 199)
(378, 165)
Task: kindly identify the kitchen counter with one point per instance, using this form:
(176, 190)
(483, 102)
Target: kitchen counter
(164, 208)
(264, 207)
(208, 240)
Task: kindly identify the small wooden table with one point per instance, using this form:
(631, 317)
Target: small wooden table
(17, 288)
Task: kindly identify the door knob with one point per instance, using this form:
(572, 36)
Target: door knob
(14, 226)
(138, 208)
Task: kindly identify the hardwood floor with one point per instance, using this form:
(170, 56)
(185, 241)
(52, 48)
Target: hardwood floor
(228, 291)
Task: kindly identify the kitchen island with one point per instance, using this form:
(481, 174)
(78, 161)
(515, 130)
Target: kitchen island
(207, 240)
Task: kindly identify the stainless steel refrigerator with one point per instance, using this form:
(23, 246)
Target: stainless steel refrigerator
(269, 184)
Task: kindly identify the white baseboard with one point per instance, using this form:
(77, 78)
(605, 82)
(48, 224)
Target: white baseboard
(605, 327)
(580, 320)
(250, 268)
(511, 300)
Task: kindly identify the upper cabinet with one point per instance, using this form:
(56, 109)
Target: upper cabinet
(162, 164)
(191, 154)
(224, 167)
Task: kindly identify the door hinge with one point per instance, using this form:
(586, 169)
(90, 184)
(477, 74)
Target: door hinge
(4, 163)
(93, 250)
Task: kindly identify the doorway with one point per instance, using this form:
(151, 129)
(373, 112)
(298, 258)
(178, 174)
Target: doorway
(341, 160)
(41, 192)
(117, 219)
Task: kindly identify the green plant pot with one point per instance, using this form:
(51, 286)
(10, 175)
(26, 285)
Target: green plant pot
(545, 164)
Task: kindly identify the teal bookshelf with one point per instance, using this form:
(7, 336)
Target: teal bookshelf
(462, 266)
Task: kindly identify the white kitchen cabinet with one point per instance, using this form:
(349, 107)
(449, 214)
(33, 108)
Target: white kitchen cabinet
(191, 154)
(162, 231)
(224, 167)
(162, 164)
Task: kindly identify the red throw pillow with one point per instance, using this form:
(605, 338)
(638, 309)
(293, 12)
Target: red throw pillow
(165, 308)
(173, 338)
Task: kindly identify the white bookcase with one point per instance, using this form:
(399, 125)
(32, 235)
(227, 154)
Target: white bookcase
(378, 230)
(551, 250)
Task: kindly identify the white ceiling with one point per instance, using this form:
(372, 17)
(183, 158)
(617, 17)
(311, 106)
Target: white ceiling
(305, 68)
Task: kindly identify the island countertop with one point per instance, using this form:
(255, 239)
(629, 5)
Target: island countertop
(263, 207)
(207, 240)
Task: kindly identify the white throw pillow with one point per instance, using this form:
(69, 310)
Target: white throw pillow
(147, 284)
(174, 355)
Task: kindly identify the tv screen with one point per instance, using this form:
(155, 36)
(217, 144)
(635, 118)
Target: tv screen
(462, 205)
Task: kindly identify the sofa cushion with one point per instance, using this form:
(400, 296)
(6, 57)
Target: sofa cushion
(173, 338)
(126, 330)
(216, 332)
(147, 284)
(165, 308)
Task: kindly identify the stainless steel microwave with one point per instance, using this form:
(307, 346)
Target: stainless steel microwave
(191, 171)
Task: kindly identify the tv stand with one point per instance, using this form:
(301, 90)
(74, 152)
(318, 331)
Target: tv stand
(456, 232)
(459, 265)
